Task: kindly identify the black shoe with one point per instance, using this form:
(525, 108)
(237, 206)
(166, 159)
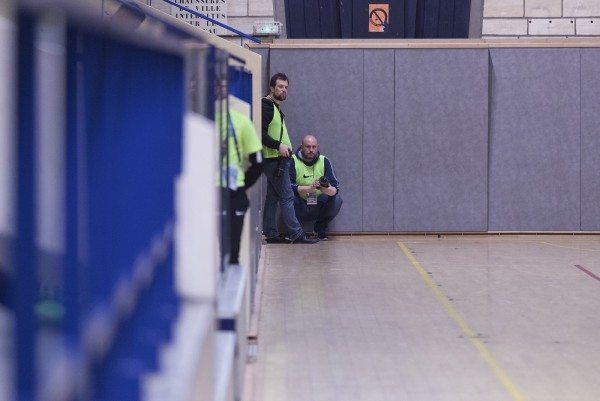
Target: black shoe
(278, 240)
(322, 235)
(302, 239)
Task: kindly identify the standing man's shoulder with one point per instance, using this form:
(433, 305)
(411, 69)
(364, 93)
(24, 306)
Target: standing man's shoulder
(268, 109)
(267, 103)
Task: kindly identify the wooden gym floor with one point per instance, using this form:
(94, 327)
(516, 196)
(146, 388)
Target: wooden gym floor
(422, 318)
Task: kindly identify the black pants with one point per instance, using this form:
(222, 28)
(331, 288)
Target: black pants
(238, 205)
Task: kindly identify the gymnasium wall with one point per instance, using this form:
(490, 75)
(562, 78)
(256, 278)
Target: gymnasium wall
(450, 139)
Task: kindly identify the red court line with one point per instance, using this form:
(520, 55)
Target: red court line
(586, 271)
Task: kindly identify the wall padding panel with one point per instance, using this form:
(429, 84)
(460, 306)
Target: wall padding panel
(590, 139)
(535, 140)
(440, 149)
(378, 141)
(325, 99)
(264, 59)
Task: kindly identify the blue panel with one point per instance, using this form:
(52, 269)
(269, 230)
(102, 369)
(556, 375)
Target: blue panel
(398, 17)
(294, 16)
(346, 20)
(462, 15)
(240, 83)
(590, 139)
(431, 18)
(350, 19)
(132, 106)
(312, 19)
(446, 19)
(8, 248)
(410, 18)
(329, 19)
(535, 140)
(440, 149)
(135, 350)
(73, 212)
(133, 150)
(25, 276)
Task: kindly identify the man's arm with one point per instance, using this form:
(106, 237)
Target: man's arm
(255, 168)
(306, 189)
(293, 176)
(333, 181)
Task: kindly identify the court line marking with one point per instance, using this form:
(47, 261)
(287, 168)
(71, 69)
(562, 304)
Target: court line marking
(586, 271)
(569, 247)
(485, 354)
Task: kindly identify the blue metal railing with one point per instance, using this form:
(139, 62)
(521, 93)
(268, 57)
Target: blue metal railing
(214, 21)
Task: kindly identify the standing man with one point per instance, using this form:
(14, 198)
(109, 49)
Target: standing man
(277, 149)
(243, 151)
(315, 185)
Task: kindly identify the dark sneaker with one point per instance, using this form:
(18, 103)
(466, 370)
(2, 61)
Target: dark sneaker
(278, 240)
(323, 236)
(302, 239)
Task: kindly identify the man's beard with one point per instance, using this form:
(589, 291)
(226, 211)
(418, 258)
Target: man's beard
(279, 97)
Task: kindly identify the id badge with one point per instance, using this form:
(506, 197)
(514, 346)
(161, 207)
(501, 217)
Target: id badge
(232, 178)
(312, 198)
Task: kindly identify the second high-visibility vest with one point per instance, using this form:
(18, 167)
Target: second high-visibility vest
(306, 175)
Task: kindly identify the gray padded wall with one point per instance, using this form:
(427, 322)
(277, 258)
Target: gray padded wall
(590, 139)
(325, 99)
(441, 104)
(534, 140)
(408, 132)
(378, 141)
(264, 60)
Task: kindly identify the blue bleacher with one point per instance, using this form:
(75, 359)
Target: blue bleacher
(92, 305)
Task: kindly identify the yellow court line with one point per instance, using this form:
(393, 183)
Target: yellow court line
(485, 354)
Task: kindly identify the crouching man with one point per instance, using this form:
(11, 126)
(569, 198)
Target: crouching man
(315, 186)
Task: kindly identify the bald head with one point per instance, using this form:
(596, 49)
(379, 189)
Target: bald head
(310, 147)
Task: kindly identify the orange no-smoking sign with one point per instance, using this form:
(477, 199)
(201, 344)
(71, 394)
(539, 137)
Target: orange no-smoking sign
(379, 17)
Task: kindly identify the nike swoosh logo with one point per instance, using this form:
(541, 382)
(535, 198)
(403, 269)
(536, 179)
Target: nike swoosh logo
(239, 213)
(307, 176)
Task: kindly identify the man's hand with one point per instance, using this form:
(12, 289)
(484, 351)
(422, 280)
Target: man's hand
(284, 150)
(329, 190)
(306, 189)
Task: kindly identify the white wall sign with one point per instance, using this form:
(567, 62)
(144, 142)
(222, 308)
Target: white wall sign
(215, 9)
